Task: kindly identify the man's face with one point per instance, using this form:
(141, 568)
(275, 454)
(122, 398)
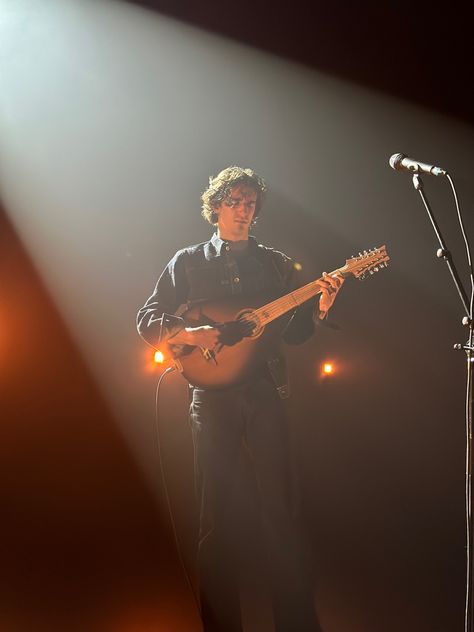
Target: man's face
(235, 213)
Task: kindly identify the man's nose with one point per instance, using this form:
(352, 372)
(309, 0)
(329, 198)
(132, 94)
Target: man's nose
(241, 209)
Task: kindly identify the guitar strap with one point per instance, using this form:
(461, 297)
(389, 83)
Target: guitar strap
(279, 374)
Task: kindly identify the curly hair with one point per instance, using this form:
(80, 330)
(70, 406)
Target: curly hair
(221, 185)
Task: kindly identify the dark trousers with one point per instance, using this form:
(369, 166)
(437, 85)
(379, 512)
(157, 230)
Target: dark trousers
(225, 422)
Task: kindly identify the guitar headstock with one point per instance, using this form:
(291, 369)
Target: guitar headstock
(367, 262)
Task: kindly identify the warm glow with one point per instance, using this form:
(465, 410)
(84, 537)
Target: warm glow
(328, 368)
(159, 357)
(297, 266)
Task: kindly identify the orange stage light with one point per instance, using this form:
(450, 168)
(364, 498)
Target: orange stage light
(159, 357)
(328, 368)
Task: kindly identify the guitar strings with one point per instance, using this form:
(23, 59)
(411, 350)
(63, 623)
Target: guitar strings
(301, 295)
(285, 303)
(267, 313)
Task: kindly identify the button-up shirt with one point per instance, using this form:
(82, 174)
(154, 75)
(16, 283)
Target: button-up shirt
(213, 270)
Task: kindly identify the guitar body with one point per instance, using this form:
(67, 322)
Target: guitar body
(234, 364)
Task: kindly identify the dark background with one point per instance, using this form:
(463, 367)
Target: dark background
(380, 449)
(418, 52)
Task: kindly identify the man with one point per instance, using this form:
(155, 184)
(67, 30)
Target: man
(249, 414)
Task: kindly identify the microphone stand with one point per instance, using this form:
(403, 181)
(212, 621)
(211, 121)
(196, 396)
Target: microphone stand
(444, 253)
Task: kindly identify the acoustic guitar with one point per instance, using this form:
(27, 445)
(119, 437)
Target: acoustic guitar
(263, 323)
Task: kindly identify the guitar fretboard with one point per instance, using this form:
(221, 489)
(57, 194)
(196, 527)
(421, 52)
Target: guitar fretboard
(368, 262)
(294, 299)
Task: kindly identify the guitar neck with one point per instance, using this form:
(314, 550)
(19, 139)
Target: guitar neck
(294, 299)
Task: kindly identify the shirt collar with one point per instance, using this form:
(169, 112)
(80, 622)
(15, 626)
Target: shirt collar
(219, 243)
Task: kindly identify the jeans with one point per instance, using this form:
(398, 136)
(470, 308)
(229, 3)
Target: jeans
(225, 422)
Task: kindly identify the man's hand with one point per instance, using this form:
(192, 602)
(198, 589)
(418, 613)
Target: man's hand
(206, 337)
(233, 331)
(330, 286)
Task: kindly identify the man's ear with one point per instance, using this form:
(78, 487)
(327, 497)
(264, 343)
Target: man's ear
(215, 215)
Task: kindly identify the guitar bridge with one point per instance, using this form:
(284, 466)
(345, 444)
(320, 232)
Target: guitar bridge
(209, 355)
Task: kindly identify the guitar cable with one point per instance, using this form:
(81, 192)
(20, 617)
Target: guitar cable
(157, 443)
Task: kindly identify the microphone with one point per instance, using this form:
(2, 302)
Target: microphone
(400, 162)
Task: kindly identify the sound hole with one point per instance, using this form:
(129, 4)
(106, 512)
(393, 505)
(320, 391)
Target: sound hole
(249, 316)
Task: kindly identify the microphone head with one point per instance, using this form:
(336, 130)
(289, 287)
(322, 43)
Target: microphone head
(395, 160)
